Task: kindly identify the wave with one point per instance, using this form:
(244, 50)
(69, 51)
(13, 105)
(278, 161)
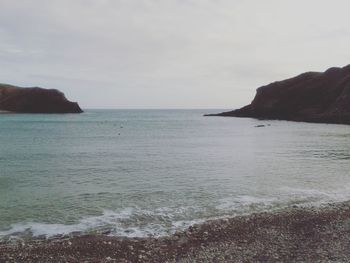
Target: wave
(283, 197)
(136, 222)
(129, 222)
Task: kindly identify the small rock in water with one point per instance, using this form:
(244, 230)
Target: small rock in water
(107, 232)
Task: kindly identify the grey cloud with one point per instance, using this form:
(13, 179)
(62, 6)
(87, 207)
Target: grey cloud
(169, 53)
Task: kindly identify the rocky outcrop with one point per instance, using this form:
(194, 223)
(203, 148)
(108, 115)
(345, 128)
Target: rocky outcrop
(310, 97)
(35, 100)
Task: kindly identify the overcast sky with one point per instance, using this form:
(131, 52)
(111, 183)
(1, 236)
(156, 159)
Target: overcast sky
(168, 53)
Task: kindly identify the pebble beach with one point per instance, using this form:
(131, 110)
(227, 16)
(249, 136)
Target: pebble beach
(298, 234)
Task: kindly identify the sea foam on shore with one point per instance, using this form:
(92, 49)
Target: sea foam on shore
(313, 234)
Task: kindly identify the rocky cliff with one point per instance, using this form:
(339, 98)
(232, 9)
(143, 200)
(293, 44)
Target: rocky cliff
(310, 97)
(35, 100)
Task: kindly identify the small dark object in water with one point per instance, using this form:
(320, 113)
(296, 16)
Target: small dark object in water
(259, 126)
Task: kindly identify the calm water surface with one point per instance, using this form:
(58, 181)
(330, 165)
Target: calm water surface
(150, 172)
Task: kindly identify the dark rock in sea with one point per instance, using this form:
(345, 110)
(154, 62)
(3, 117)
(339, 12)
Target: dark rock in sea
(35, 100)
(322, 97)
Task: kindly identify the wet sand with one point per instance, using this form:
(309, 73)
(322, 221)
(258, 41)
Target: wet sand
(290, 235)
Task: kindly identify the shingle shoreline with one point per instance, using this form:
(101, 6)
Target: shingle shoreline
(310, 234)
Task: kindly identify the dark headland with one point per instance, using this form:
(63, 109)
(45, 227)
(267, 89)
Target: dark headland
(322, 97)
(35, 100)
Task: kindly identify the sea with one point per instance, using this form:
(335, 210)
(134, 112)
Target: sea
(149, 173)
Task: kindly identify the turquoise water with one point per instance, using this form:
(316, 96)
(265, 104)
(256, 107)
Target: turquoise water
(151, 172)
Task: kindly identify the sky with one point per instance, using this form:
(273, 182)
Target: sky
(168, 53)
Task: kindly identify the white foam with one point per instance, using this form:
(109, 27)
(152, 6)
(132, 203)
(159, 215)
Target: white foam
(125, 223)
(283, 197)
(137, 222)
(244, 202)
(315, 197)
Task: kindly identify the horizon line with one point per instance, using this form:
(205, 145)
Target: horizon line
(137, 108)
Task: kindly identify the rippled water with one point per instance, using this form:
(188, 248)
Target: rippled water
(139, 173)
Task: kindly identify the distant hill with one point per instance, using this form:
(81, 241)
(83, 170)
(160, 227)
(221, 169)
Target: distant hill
(310, 97)
(35, 100)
